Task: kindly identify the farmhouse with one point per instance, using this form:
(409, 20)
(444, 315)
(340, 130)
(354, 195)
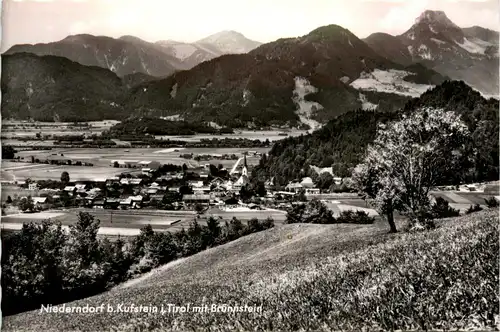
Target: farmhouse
(33, 186)
(134, 182)
(312, 191)
(124, 163)
(294, 187)
(200, 190)
(98, 204)
(307, 182)
(111, 203)
(40, 202)
(195, 184)
(200, 199)
(148, 166)
(337, 180)
(80, 186)
(217, 182)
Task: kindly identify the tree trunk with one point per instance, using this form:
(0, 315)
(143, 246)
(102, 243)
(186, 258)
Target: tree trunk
(390, 218)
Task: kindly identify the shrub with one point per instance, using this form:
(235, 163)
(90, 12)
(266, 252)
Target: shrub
(491, 202)
(474, 208)
(442, 209)
(355, 217)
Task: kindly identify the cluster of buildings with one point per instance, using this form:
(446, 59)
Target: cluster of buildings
(181, 189)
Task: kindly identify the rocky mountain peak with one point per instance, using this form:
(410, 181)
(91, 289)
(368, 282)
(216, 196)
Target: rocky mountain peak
(435, 17)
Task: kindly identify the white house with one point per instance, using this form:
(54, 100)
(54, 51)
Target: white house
(152, 165)
(124, 163)
(307, 182)
(33, 186)
(294, 187)
(196, 184)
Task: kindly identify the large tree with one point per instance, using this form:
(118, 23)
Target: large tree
(65, 177)
(8, 152)
(408, 158)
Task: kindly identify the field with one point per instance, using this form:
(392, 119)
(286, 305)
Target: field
(129, 222)
(103, 157)
(133, 220)
(13, 171)
(271, 135)
(314, 277)
(18, 129)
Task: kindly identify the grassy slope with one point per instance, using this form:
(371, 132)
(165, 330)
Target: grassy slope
(317, 277)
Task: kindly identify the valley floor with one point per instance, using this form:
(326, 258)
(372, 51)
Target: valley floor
(312, 277)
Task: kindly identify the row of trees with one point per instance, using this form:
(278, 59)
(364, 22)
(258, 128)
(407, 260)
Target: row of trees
(44, 264)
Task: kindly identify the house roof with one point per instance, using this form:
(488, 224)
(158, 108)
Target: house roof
(242, 180)
(69, 188)
(40, 200)
(113, 200)
(202, 188)
(307, 181)
(196, 197)
(196, 183)
(122, 161)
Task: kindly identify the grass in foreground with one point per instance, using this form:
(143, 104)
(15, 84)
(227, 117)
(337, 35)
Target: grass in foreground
(316, 277)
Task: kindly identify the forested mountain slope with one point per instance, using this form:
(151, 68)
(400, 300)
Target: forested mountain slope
(342, 142)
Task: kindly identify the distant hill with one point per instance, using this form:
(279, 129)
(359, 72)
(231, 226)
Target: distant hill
(305, 80)
(50, 88)
(213, 46)
(229, 42)
(340, 144)
(468, 54)
(123, 56)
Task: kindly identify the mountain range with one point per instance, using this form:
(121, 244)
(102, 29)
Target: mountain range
(130, 55)
(303, 81)
(469, 54)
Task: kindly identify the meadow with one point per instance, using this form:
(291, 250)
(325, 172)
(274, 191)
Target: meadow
(104, 156)
(22, 171)
(159, 219)
(262, 135)
(22, 129)
(315, 277)
(129, 222)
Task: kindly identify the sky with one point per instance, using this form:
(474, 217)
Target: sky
(36, 21)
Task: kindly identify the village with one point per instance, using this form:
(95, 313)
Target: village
(149, 184)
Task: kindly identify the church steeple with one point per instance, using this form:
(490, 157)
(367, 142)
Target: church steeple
(244, 170)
